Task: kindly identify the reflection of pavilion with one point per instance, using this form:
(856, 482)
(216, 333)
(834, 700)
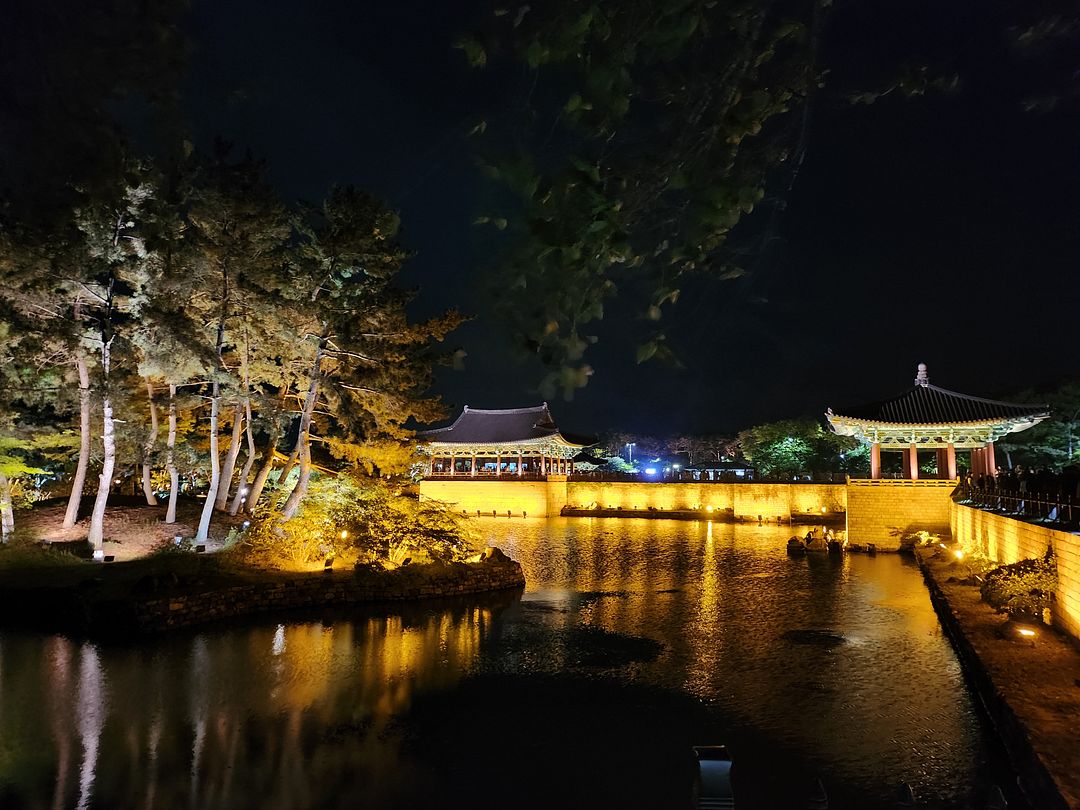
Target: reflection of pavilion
(515, 442)
(931, 418)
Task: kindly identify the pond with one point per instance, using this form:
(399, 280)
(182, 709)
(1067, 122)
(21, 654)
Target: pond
(634, 640)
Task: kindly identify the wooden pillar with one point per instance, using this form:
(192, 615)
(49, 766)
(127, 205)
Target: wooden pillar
(976, 463)
(452, 462)
(941, 462)
(875, 461)
(913, 462)
(950, 457)
(472, 466)
(519, 465)
(498, 464)
(989, 461)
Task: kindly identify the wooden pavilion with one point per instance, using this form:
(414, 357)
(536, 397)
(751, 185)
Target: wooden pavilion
(930, 418)
(514, 443)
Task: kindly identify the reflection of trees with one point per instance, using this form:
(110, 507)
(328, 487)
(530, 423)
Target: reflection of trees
(289, 717)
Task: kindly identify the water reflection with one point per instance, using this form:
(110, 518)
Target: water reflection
(250, 717)
(743, 626)
(635, 639)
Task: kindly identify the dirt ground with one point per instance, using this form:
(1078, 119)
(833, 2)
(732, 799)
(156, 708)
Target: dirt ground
(132, 529)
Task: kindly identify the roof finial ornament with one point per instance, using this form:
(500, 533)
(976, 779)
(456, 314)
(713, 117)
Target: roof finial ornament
(922, 378)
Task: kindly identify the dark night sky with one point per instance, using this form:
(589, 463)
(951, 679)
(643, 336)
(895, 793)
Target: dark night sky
(939, 230)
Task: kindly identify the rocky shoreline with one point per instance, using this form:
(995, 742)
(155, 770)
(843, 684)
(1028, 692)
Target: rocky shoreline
(110, 605)
(1030, 694)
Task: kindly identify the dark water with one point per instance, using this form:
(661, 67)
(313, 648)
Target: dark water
(634, 640)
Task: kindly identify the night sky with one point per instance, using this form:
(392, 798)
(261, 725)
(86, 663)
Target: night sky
(940, 229)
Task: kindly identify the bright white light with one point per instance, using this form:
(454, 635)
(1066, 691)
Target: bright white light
(650, 470)
(676, 466)
(1025, 632)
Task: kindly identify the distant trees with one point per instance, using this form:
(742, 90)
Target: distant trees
(1054, 442)
(184, 317)
(793, 447)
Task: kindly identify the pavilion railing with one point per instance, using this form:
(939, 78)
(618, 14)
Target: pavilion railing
(482, 476)
(723, 478)
(1057, 509)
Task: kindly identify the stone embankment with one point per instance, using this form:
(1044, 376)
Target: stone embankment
(164, 602)
(1031, 694)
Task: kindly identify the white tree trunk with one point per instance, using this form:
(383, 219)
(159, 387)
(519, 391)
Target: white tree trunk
(229, 466)
(215, 467)
(148, 448)
(174, 475)
(241, 486)
(96, 535)
(7, 514)
(71, 516)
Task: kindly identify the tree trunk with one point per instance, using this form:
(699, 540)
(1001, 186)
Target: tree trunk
(292, 505)
(170, 459)
(242, 487)
(290, 462)
(263, 474)
(148, 448)
(215, 466)
(7, 514)
(96, 535)
(298, 492)
(230, 460)
(309, 406)
(71, 516)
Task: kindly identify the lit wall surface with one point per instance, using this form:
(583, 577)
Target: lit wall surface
(1006, 540)
(547, 498)
(883, 511)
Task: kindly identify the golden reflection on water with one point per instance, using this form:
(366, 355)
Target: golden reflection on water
(828, 653)
(839, 660)
(282, 701)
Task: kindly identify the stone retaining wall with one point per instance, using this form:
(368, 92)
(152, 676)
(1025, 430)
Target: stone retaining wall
(883, 511)
(323, 590)
(547, 498)
(1007, 540)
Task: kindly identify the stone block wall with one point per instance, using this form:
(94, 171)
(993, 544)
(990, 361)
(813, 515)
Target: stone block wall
(532, 498)
(882, 512)
(317, 590)
(1007, 540)
(547, 498)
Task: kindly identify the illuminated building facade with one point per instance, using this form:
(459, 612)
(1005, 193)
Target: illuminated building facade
(508, 443)
(930, 418)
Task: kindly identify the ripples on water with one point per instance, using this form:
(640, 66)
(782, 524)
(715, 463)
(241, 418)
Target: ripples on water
(634, 640)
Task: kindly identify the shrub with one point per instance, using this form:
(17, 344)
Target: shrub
(355, 519)
(1022, 588)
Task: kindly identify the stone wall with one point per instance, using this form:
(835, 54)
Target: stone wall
(882, 512)
(737, 501)
(531, 498)
(319, 589)
(546, 498)
(1007, 540)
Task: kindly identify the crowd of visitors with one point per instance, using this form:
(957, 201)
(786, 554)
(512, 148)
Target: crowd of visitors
(1039, 494)
(1030, 481)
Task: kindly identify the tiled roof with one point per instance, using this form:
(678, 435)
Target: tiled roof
(475, 426)
(927, 404)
